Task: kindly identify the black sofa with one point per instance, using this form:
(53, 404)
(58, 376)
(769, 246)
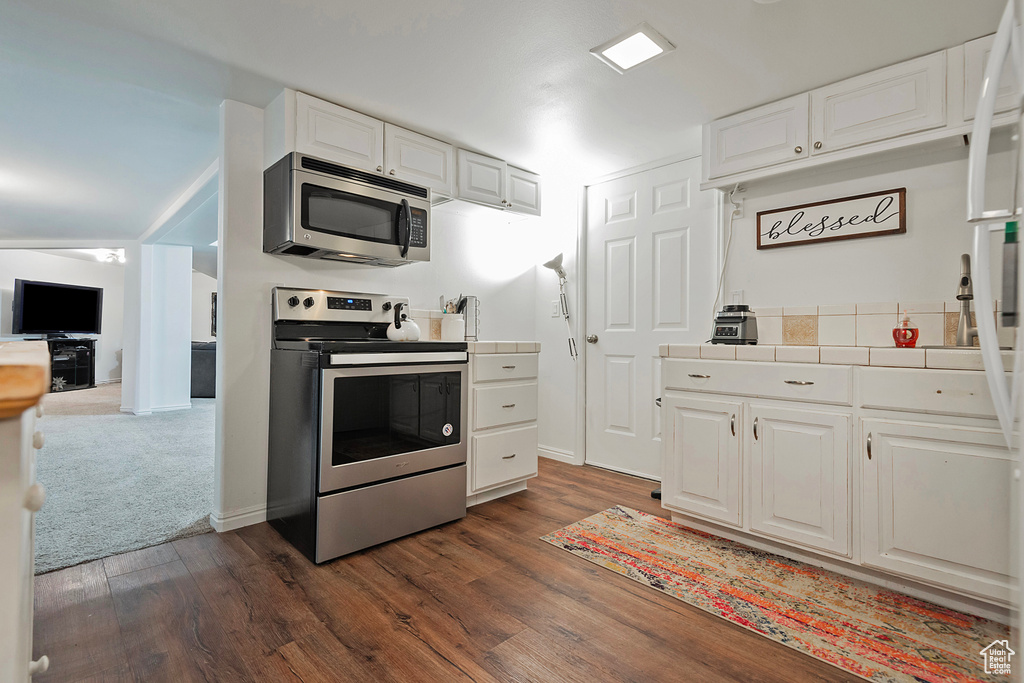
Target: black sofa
(204, 369)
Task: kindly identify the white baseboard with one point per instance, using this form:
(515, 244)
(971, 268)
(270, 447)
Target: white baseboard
(135, 412)
(166, 409)
(253, 514)
(493, 494)
(116, 380)
(623, 470)
(557, 454)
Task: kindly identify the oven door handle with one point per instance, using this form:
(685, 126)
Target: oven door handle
(405, 226)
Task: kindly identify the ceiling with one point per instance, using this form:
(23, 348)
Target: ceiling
(114, 111)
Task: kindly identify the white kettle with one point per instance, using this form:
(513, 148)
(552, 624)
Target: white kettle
(404, 328)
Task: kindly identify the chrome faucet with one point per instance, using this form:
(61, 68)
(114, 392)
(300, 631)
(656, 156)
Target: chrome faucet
(965, 332)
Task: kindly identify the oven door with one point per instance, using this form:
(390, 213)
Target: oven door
(381, 423)
(351, 218)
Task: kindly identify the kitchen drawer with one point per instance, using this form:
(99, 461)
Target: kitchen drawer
(504, 404)
(494, 367)
(787, 381)
(505, 456)
(940, 392)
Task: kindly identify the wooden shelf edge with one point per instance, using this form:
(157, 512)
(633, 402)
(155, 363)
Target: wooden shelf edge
(24, 375)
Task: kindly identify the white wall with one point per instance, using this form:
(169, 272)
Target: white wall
(922, 265)
(31, 265)
(202, 287)
(474, 251)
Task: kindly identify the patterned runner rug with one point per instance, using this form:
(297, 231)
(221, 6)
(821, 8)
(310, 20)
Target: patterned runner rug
(878, 634)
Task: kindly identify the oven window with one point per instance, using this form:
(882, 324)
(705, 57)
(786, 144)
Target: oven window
(349, 215)
(375, 417)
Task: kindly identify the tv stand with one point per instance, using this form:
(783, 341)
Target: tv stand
(72, 364)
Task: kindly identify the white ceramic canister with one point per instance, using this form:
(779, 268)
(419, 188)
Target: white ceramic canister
(453, 327)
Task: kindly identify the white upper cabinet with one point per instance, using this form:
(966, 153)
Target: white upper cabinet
(482, 179)
(523, 191)
(904, 98)
(773, 134)
(419, 159)
(799, 477)
(337, 134)
(976, 55)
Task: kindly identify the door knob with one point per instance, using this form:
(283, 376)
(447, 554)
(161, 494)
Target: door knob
(591, 338)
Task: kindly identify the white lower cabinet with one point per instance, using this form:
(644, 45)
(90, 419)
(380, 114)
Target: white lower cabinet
(799, 476)
(503, 417)
(701, 469)
(936, 504)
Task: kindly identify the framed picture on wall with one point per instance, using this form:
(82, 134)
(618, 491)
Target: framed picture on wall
(864, 215)
(213, 315)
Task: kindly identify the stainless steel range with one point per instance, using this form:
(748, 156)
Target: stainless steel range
(366, 435)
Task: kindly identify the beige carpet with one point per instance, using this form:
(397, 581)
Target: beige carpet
(117, 482)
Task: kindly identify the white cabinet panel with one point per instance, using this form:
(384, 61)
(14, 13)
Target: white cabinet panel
(904, 98)
(338, 134)
(504, 456)
(523, 191)
(419, 159)
(936, 504)
(505, 404)
(976, 54)
(805, 382)
(701, 468)
(504, 366)
(799, 481)
(482, 179)
(772, 134)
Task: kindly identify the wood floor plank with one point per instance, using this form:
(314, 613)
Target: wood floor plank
(76, 627)
(135, 560)
(479, 599)
(169, 631)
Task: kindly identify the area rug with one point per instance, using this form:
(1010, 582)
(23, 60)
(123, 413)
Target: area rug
(117, 482)
(877, 634)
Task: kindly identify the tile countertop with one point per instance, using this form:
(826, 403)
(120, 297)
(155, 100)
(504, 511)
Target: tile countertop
(944, 359)
(504, 347)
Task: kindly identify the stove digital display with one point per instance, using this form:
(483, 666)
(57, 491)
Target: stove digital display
(345, 304)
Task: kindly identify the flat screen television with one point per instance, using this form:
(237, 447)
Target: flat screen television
(53, 308)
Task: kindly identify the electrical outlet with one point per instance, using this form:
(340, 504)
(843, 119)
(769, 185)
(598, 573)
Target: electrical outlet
(736, 296)
(556, 309)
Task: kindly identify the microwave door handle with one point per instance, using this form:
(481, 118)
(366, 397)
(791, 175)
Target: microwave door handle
(405, 226)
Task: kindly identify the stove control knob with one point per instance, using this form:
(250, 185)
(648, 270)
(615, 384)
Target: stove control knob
(293, 301)
(386, 307)
(308, 302)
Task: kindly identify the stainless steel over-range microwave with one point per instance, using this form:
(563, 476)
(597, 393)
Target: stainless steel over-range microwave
(319, 209)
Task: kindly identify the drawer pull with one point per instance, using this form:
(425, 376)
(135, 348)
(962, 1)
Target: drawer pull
(508, 367)
(700, 376)
(509, 405)
(798, 382)
(732, 424)
(755, 429)
(869, 445)
(508, 457)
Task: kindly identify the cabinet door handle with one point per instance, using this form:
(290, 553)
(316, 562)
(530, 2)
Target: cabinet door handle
(732, 424)
(508, 367)
(509, 405)
(755, 429)
(508, 457)
(700, 376)
(657, 401)
(35, 496)
(869, 445)
(817, 145)
(798, 149)
(38, 440)
(380, 169)
(798, 382)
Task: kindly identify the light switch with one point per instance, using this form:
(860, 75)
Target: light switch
(556, 310)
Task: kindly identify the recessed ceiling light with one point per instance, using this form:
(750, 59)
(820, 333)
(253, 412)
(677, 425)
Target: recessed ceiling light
(632, 48)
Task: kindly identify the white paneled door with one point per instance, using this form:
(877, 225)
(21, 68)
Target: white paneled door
(651, 255)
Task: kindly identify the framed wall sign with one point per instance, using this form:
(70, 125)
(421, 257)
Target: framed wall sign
(865, 215)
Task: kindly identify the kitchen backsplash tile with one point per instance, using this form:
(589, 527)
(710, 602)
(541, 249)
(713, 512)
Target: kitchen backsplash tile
(888, 308)
(931, 327)
(875, 330)
(838, 309)
(769, 330)
(799, 310)
(760, 352)
(844, 355)
(797, 354)
(917, 309)
(837, 330)
(800, 330)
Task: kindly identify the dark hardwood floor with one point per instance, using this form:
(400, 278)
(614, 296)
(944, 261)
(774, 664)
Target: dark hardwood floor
(481, 599)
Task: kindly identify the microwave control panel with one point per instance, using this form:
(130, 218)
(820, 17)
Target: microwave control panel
(418, 228)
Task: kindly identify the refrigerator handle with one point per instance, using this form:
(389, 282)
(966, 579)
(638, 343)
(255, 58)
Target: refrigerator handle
(998, 386)
(1006, 43)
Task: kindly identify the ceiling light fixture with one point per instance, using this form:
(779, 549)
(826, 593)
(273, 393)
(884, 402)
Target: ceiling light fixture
(632, 48)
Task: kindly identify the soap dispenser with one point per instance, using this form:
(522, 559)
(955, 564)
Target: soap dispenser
(905, 333)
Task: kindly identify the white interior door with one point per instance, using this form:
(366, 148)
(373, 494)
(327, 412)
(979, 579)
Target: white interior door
(651, 255)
